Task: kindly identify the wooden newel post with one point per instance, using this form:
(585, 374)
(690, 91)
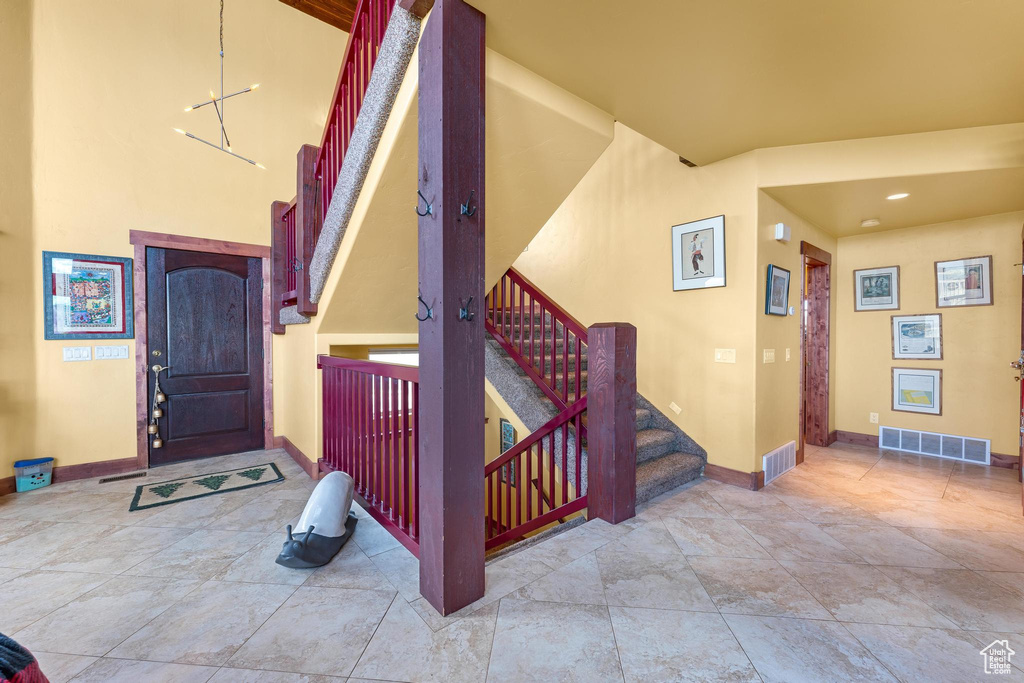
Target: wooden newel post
(611, 405)
(451, 283)
(278, 249)
(306, 227)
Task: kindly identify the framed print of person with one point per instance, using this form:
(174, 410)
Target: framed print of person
(698, 254)
(876, 289)
(964, 282)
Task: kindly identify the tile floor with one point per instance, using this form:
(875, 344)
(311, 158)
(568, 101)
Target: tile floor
(854, 566)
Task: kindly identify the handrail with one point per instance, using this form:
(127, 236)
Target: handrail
(371, 432)
(369, 24)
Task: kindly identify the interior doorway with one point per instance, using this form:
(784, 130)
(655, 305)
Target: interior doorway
(815, 293)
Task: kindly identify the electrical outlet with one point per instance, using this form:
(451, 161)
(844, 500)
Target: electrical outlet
(769, 355)
(873, 417)
(787, 355)
(77, 353)
(725, 355)
(674, 408)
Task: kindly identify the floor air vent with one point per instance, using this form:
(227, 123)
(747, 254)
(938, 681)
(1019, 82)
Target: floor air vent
(949, 446)
(781, 460)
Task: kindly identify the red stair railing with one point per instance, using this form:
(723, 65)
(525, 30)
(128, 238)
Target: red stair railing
(368, 26)
(370, 431)
(288, 297)
(514, 506)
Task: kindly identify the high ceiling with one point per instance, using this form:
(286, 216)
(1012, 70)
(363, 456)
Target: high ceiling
(840, 207)
(337, 13)
(713, 78)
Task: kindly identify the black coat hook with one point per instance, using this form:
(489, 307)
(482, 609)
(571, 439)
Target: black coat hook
(430, 310)
(464, 313)
(464, 208)
(430, 207)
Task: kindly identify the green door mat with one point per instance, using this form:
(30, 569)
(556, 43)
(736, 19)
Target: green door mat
(202, 485)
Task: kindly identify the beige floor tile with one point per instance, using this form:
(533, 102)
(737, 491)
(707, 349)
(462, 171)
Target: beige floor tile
(658, 580)
(13, 529)
(404, 648)
(399, 566)
(201, 555)
(351, 568)
(764, 587)
(60, 507)
(197, 513)
(695, 502)
(966, 598)
(912, 486)
(830, 510)
(798, 541)
(60, 668)
(1014, 640)
(714, 537)
(925, 654)
(744, 504)
(862, 593)
(651, 647)
(117, 513)
(38, 548)
(227, 675)
(972, 549)
(888, 546)
(1013, 581)
(945, 514)
(531, 642)
(97, 621)
(129, 671)
(115, 552)
(33, 595)
(578, 582)
(1005, 502)
(650, 537)
(563, 548)
(317, 631)
(8, 573)
(984, 478)
(258, 565)
(371, 537)
(207, 626)
(788, 650)
(265, 514)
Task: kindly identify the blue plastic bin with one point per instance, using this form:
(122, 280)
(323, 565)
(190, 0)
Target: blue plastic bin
(32, 474)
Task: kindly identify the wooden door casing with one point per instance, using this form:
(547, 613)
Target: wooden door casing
(205, 322)
(816, 283)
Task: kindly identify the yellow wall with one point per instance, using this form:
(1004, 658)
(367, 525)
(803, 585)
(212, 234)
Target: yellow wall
(979, 396)
(109, 81)
(606, 255)
(778, 384)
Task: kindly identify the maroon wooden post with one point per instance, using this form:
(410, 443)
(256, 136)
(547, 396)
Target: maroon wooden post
(278, 250)
(451, 281)
(306, 228)
(611, 436)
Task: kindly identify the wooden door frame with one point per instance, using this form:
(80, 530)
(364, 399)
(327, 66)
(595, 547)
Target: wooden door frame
(811, 255)
(142, 239)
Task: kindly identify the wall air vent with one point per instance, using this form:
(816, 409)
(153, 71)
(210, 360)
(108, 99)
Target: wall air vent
(779, 461)
(963, 448)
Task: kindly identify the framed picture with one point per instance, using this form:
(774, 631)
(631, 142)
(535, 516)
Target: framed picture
(507, 434)
(698, 254)
(917, 336)
(776, 295)
(965, 282)
(917, 391)
(86, 297)
(876, 289)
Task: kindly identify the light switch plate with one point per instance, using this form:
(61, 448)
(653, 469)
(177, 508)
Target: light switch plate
(725, 355)
(77, 353)
(769, 355)
(112, 352)
(674, 408)
(787, 354)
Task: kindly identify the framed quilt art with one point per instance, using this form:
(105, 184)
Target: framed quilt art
(86, 297)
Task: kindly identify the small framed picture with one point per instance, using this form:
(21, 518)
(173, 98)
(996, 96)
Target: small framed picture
(507, 434)
(876, 289)
(917, 391)
(698, 254)
(86, 297)
(917, 336)
(964, 282)
(776, 296)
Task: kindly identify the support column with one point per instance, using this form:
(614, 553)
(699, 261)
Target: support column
(451, 282)
(306, 227)
(611, 408)
(278, 247)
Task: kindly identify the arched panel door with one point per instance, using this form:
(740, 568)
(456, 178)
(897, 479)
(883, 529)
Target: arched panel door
(205, 317)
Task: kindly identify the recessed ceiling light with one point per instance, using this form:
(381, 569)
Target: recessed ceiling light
(870, 223)
(899, 195)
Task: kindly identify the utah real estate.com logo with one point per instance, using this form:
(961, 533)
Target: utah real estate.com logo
(997, 657)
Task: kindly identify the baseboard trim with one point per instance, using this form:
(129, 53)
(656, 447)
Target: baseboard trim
(86, 470)
(300, 459)
(1010, 462)
(856, 438)
(746, 480)
(833, 436)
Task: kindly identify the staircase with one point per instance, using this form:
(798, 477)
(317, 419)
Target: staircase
(555, 374)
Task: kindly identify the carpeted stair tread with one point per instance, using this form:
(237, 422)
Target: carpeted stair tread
(653, 443)
(654, 477)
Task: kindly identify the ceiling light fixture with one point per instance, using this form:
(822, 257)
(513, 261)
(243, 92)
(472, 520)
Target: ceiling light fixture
(870, 223)
(898, 195)
(218, 106)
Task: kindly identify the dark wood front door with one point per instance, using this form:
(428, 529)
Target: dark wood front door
(205, 317)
